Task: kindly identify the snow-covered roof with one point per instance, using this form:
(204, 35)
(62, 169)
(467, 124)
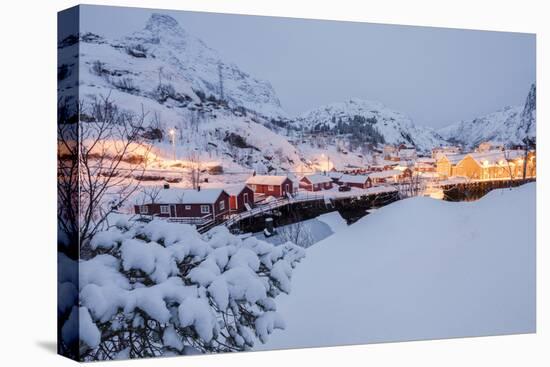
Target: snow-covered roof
(266, 180)
(495, 157)
(354, 178)
(385, 174)
(183, 196)
(386, 162)
(318, 179)
(335, 175)
(425, 160)
(234, 190)
(294, 179)
(453, 158)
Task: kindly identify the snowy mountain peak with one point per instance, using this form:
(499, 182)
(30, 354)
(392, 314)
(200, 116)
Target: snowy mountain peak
(161, 21)
(204, 68)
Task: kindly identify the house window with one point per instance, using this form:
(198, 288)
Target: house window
(205, 209)
(245, 197)
(270, 187)
(188, 207)
(144, 209)
(222, 205)
(164, 209)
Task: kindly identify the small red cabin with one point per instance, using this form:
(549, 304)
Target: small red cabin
(316, 182)
(241, 198)
(360, 181)
(205, 204)
(277, 186)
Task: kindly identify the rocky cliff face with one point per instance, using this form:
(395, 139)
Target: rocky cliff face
(509, 125)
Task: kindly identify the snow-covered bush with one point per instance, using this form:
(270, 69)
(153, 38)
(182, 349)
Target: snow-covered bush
(161, 289)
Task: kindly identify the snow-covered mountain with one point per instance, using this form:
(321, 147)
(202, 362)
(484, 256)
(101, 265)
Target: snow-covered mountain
(229, 117)
(175, 79)
(509, 125)
(164, 53)
(203, 67)
(386, 125)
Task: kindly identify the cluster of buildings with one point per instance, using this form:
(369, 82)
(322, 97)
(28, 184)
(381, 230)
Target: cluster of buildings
(207, 204)
(489, 161)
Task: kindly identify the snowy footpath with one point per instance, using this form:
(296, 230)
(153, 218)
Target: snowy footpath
(418, 269)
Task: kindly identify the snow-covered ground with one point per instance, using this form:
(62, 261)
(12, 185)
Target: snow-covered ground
(307, 232)
(418, 269)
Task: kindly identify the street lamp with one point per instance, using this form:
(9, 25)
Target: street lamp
(328, 162)
(172, 133)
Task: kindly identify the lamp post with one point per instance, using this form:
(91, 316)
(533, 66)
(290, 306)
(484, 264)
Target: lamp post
(327, 168)
(172, 133)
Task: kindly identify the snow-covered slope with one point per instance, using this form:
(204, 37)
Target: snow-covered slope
(226, 115)
(451, 270)
(500, 126)
(393, 126)
(175, 79)
(509, 125)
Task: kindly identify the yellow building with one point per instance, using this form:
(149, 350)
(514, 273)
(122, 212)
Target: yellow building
(488, 165)
(446, 163)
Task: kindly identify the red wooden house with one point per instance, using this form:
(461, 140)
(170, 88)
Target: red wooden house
(241, 198)
(359, 181)
(277, 186)
(195, 205)
(316, 182)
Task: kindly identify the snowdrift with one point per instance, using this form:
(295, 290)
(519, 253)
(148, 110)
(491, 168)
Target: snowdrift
(418, 269)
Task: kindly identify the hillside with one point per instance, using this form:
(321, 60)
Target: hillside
(175, 79)
(371, 121)
(232, 119)
(383, 285)
(509, 125)
(217, 110)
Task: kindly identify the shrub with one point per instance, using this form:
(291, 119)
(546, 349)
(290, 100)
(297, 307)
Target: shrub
(125, 84)
(162, 289)
(98, 68)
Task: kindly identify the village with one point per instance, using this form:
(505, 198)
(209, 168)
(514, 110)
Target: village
(400, 170)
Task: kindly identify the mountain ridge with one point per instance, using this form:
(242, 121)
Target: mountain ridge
(509, 125)
(394, 126)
